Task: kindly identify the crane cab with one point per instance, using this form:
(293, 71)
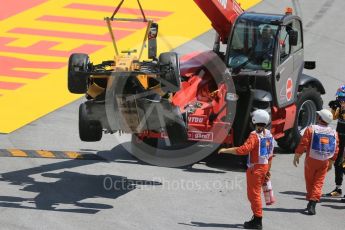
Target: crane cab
(268, 50)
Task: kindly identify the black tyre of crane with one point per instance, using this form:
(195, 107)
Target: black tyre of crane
(145, 145)
(308, 102)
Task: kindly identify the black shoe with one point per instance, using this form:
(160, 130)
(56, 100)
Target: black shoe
(308, 206)
(311, 207)
(254, 223)
(337, 192)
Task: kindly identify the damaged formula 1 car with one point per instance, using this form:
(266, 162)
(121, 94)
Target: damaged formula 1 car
(133, 86)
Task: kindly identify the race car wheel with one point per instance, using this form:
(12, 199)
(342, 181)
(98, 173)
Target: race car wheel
(308, 102)
(89, 130)
(77, 68)
(175, 127)
(147, 145)
(170, 67)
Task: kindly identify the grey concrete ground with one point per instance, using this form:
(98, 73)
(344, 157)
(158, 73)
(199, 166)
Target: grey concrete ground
(122, 193)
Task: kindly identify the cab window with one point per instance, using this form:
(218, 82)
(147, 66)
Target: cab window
(284, 45)
(252, 45)
(296, 25)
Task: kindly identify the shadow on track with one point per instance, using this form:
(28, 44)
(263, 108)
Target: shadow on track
(335, 206)
(212, 225)
(69, 189)
(296, 193)
(226, 162)
(119, 154)
(286, 210)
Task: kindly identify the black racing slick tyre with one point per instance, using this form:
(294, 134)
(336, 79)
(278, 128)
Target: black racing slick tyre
(89, 130)
(175, 126)
(170, 68)
(77, 77)
(147, 145)
(308, 102)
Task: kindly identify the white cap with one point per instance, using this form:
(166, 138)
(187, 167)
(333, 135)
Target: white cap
(260, 117)
(325, 115)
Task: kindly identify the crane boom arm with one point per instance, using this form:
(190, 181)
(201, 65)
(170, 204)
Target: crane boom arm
(222, 14)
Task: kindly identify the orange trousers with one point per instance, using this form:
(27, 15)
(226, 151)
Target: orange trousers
(255, 179)
(314, 172)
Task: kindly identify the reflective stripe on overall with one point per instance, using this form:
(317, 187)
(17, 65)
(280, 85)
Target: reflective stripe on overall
(323, 143)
